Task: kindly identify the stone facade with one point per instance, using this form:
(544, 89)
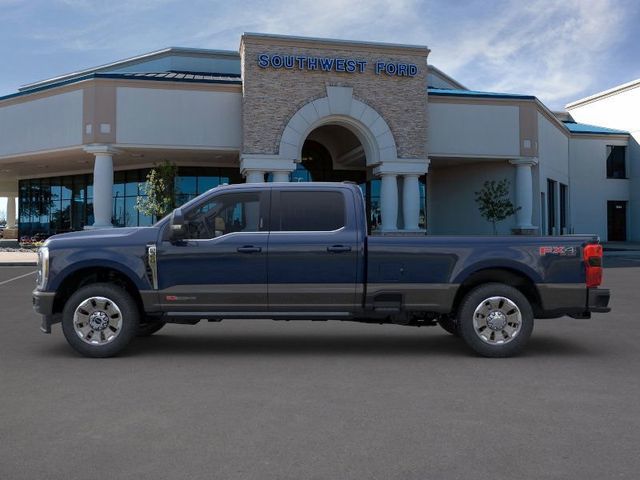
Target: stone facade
(272, 96)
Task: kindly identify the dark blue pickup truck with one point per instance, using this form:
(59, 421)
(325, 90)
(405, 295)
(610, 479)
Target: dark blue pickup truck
(301, 252)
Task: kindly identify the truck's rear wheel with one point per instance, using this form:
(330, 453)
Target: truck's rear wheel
(99, 320)
(495, 320)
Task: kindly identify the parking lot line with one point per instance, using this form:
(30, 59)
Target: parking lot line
(17, 278)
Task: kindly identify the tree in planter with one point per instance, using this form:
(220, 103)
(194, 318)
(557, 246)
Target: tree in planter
(494, 203)
(158, 197)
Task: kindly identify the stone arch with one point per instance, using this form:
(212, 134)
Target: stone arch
(340, 108)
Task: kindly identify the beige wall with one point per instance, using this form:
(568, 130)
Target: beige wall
(50, 122)
(272, 96)
(163, 117)
(473, 129)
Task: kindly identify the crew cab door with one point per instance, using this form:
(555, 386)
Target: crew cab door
(313, 251)
(222, 264)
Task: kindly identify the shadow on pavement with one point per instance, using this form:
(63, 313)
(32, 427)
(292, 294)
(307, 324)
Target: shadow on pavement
(168, 344)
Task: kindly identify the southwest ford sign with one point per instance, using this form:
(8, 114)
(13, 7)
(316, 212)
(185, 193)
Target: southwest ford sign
(329, 64)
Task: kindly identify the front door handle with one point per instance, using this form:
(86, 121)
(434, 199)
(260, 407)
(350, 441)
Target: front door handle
(339, 249)
(249, 249)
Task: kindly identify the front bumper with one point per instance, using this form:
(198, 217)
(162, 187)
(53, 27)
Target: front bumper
(598, 300)
(43, 305)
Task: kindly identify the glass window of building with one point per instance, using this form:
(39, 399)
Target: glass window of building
(616, 159)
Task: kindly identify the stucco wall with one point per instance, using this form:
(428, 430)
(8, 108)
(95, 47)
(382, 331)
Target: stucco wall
(589, 188)
(553, 156)
(471, 129)
(40, 124)
(453, 210)
(271, 96)
(621, 111)
(178, 117)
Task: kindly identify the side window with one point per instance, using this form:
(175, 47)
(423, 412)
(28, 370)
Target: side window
(224, 214)
(311, 211)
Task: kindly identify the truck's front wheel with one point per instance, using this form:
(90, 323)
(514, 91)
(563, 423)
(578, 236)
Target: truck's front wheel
(495, 320)
(99, 320)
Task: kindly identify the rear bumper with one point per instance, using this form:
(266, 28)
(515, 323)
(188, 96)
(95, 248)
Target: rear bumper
(598, 300)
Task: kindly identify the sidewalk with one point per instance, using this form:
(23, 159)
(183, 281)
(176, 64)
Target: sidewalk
(18, 259)
(621, 246)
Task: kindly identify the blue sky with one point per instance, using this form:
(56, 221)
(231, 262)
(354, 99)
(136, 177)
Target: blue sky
(557, 50)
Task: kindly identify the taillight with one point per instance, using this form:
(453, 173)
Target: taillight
(592, 255)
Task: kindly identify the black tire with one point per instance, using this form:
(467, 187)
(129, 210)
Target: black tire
(127, 320)
(148, 327)
(495, 341)
(449, 324)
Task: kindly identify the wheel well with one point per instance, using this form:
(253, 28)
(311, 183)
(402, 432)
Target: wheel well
(87, 276)
(500, 275)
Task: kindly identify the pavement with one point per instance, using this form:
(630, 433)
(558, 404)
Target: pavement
(322, 400)
(18, 259)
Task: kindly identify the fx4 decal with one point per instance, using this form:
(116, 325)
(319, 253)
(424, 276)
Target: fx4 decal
(559, 250)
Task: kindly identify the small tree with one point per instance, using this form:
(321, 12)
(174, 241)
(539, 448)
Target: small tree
(494, 203)
(158, 192)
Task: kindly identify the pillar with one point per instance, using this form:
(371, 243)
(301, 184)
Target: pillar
(524, 194)
(11, 212)
(253, 166)
(410, 201)
(281, 176)
(254, 176)
(389, 202)
(102, 185)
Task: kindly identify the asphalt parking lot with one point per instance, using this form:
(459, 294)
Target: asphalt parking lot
(323, 400)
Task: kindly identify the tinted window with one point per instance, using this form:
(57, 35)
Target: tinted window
(311, 211)
(223, 214)
(616, 161)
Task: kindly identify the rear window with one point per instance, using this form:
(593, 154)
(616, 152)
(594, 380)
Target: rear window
(311, 211)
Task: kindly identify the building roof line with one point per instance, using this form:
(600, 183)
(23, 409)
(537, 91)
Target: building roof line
(605, 93)
(336, 41)
(158, 77)
(129, 61)
(447, 77)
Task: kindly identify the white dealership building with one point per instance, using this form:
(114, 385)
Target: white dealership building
(74, 149)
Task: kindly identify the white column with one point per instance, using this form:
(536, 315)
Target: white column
(410, 201)
(102, 184)
(254, 176)
(280, 176)
(389, 202)
(524, 192)
(11, 212)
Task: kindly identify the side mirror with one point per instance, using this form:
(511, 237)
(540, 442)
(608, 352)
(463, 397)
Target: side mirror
(177, 228)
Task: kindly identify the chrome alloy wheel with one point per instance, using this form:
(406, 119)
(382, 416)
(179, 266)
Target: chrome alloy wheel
(497, 320)
(97, 320)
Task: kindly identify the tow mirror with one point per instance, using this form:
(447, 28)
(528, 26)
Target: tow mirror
(177, 228)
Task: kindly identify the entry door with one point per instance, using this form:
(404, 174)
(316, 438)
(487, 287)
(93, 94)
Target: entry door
(617, 221)
(313, 251)
(222, 266)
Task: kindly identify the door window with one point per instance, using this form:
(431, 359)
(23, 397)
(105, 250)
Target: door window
(311, 211)
(224, 214)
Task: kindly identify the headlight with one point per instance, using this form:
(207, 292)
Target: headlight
(43, 267)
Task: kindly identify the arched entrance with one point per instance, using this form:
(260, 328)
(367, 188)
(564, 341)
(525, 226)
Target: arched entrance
(338, 138)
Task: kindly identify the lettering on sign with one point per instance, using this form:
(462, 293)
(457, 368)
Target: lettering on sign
(341, 65)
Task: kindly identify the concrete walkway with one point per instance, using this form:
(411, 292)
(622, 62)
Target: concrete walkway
(18, 259)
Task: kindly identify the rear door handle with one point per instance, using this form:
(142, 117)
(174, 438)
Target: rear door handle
(249, 249)
(339, 249)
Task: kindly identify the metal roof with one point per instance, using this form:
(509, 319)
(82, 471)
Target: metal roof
(575, 127)
(449, 92)
(228, 79)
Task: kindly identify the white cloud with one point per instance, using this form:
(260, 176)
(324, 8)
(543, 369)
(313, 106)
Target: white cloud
(545, 48)
(548, 48)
